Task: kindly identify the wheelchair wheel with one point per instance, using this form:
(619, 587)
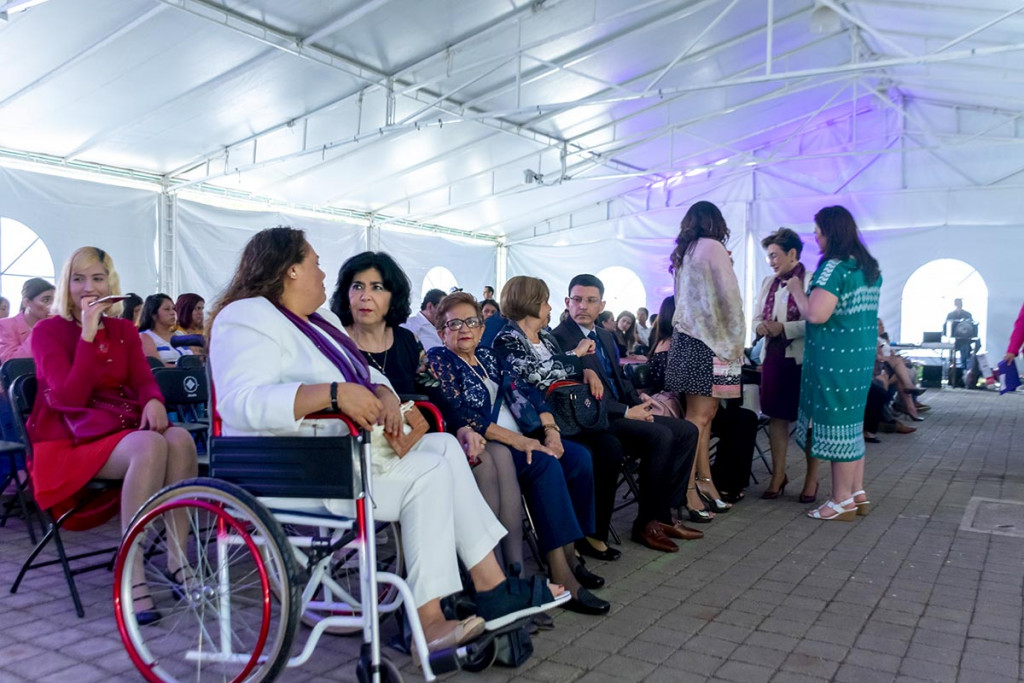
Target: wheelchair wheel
(341, 585)
(218, 617)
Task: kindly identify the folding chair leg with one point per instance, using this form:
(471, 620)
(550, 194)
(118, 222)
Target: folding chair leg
(32, 556)
(68, 576)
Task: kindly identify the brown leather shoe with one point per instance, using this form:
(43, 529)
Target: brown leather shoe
(653, 536)
(681, 531)
(904, 429)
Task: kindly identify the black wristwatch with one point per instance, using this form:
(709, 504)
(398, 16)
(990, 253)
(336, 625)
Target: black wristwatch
(334, 396)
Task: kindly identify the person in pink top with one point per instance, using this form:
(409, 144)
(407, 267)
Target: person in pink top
(16, 331)
(1016, 338)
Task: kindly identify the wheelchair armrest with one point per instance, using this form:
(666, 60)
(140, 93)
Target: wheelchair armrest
(415, 398)
(432, 414)
(353, 428)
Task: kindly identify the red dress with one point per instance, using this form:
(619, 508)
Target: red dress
(68, 370)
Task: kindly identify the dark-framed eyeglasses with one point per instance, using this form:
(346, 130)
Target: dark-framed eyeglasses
(456, 324)
(590, 300)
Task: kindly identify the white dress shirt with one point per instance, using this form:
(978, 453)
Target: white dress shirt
(424, 330)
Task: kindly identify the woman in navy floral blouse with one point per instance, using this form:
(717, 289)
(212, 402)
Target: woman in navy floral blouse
(556, 478)
(540, 364)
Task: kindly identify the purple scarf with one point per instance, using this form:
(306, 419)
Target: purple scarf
(348, 359)
(792, 312)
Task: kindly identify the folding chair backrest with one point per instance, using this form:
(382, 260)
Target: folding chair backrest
(184, 390)
(23, 396)
(14, 368)
(189, 362)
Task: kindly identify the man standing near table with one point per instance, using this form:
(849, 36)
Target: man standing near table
(962, 336)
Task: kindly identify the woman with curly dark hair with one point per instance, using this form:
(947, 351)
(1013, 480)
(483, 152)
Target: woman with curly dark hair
(372, 299)
(709, 331)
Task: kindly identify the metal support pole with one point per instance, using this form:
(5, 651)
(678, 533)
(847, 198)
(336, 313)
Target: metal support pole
(167, 236)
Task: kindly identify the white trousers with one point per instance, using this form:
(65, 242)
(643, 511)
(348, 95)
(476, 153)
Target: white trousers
(432, 493)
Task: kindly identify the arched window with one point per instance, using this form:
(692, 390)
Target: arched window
(438, 277)
(22, 256)
(929, 293)
(623, 290)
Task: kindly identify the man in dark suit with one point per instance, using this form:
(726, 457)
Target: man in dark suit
(665, 446)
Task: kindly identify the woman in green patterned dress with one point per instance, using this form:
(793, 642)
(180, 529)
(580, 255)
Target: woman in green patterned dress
(841, 309)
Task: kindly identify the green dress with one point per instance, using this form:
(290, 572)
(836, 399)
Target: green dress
(839, 357)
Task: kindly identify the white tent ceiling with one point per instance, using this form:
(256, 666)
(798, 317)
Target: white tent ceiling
(438, 111)
(575, 132)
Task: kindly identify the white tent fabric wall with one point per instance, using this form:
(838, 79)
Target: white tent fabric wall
(473, 262)
(69, 213)
(641, 240)
(209, 240)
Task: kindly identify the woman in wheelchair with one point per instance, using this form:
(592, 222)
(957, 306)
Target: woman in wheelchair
(372, 300)
(98, 413)
(557, 477)
(275, 359)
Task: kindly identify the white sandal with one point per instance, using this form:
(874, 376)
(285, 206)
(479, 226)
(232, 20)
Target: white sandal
(843, 513)
(864, 507)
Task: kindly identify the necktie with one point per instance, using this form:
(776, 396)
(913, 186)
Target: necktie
(606, 363)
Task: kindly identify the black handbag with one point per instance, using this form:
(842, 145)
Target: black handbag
(575, 409)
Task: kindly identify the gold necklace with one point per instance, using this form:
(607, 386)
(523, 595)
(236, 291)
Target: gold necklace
(369, 354)
(379, 366)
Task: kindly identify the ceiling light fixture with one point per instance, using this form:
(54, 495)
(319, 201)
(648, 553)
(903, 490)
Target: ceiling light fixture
(824, 20)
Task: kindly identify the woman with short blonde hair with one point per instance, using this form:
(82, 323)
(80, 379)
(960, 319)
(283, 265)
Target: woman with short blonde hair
(98, 411)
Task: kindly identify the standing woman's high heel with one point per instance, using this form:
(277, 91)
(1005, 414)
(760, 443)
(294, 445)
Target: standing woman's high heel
(714, 504)
(701, 516)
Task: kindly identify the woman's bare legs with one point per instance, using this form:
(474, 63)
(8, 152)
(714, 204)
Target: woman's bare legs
(700, 410)
(146, 461)
(778, 437)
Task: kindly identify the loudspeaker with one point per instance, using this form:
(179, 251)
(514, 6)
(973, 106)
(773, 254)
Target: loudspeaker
(931, 376)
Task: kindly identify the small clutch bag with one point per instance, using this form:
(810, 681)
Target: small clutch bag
(402, 443)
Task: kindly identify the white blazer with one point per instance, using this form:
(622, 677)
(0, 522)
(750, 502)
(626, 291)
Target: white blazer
(258, 360)
(794, 330)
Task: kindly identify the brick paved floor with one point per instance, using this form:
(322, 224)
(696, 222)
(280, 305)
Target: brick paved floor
(768, 595)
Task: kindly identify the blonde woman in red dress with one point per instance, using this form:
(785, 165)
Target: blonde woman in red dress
(82, 353)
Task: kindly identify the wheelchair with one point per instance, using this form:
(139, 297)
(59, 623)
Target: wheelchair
(250, 562)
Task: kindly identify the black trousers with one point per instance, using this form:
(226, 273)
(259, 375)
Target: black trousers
(878, 398)
(607, 454)
(736, 429)
(665, 449)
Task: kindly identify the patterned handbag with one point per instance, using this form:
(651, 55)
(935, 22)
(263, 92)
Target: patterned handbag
(575, 409)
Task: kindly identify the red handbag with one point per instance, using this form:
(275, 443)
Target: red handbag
(107, 412)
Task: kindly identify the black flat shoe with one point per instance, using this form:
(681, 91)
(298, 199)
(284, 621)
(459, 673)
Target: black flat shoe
(583, 547)
(147, 616)
(587, 578)
(872, 439)
(586, 602)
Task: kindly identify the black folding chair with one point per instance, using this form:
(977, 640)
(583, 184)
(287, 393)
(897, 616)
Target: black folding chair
(23, 393)
(186, 396)
(191, 362)
(12, 449)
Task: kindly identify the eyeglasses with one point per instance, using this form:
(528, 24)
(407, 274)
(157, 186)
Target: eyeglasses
(472, 323)
(590, 300)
